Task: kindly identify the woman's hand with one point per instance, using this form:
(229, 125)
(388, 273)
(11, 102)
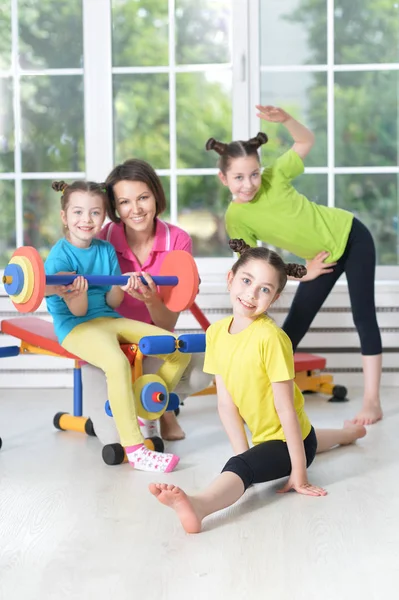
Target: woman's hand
(145, 293)
(272, 114)
(300, 484)
(317, 266)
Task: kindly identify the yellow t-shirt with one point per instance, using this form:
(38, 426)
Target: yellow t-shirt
(249, 362)
(279, 215)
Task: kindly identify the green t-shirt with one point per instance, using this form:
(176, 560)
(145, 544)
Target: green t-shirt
(279, 215)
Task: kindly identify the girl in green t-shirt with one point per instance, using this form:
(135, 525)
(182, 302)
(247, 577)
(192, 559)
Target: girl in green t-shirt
(252, 360)
(265, 206)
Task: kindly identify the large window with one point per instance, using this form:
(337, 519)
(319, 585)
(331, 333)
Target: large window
(334, 64)
(172, 89)
(86, 84)
(41, 117)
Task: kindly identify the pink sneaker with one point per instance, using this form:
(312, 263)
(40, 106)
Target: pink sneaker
(147, 460)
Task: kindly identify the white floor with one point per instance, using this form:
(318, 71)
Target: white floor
(72, 527)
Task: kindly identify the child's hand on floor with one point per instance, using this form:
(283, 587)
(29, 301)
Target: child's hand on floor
(301, 485)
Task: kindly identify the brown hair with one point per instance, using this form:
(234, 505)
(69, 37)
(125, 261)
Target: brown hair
(134, 170)
(236, 149)
(272, 258)
(78, 186)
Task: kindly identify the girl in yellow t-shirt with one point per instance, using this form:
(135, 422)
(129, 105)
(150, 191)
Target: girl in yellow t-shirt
(267, 207)
(252, 360)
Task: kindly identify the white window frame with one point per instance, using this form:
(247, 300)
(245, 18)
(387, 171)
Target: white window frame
(98, 104)
(383, 273)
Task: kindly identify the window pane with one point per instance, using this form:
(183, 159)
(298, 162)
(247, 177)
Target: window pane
(42, 221)
(203, 201)
(203, 31)
(5, 34)
(304, 96)
(314, 187)
(141, 127)
(8, 240)
(52, 123)
(6, 126)
(293, 32)
(139, 33)
(374, 200)
(366, 118)
(366, 31)
(165, 216)
(203, 110)
(50, 34)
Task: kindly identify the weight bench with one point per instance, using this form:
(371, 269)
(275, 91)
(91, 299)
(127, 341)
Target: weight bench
(37, 337)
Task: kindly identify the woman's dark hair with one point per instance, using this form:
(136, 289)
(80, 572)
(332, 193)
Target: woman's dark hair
(78, 186)
(236, 149)
(134, 170)
(272, 258)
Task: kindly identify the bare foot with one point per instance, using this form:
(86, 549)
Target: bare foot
(175, 498)
(353, 432)
(170, 428)
(368, 415)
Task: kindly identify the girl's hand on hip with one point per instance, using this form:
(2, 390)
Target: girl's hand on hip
(272, 114)
(317, 266)
(302, 486)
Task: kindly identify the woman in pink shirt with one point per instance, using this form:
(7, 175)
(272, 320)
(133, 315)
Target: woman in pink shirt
(135, 200)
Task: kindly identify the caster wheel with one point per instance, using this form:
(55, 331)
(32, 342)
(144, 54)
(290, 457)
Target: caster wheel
(339, 394)
(89, 428)
(154, 443)
(56, 420)
(177, 411)
(113, 454)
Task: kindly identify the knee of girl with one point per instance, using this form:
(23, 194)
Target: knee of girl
(118, 366)
(238, 466)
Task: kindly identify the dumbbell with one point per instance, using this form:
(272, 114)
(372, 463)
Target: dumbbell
(25, 280)
(167, 344)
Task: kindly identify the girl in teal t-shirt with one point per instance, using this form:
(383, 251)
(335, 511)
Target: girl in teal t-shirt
(87, 324)
(265, 206)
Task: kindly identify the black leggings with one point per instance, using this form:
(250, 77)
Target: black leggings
(268, 461)
(358, 262)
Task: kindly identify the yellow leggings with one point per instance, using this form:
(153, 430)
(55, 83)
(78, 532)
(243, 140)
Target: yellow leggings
(97, 342)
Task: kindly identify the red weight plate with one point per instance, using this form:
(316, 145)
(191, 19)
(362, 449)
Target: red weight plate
(39, 283)
(182, 265)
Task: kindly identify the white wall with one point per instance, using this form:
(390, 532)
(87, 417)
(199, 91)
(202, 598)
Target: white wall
(332, 329)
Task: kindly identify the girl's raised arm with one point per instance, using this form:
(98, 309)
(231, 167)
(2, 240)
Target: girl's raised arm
(302, 136)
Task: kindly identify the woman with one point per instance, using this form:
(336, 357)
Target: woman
(141, 241)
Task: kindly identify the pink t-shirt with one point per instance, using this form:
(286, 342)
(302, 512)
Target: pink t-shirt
(167, 237)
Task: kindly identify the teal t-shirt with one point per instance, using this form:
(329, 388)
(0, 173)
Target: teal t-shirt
(279, 215)
(98, 259)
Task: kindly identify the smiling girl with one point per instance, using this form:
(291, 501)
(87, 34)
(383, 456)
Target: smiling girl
(85, 320)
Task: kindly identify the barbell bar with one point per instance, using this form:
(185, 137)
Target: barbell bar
(25, 280)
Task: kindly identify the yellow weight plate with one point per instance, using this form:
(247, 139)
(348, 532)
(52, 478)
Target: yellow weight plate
(29, 280)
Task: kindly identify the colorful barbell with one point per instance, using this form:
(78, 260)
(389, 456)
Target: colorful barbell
(25, 280)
